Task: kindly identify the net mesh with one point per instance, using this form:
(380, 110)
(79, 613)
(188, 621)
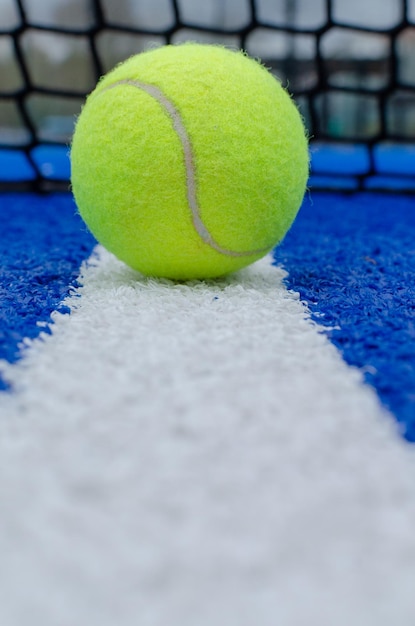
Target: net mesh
(349, 64)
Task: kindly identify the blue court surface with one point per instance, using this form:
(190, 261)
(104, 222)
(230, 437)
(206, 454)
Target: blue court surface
(232, 452)
(43, 244)
(350, 257)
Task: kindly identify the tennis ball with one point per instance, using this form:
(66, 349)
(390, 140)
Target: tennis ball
(189, 161)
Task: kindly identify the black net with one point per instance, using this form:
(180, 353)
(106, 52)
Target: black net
(350, 64)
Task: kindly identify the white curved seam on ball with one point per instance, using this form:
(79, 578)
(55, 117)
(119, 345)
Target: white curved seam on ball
(180, 129)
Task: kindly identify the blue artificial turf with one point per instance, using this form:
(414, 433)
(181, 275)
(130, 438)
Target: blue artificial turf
(352, 259)
(42, 245)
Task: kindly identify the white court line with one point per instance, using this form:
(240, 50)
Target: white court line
(199, 455)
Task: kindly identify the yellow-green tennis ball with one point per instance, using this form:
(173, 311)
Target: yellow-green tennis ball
(189, 161)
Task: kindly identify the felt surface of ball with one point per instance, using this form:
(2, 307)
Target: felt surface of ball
(189, 161)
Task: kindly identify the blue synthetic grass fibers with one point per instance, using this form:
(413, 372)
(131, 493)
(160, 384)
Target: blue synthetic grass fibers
(42, 245)
(352, 259)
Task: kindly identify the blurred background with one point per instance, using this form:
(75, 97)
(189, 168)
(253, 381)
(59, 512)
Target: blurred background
(350, 64)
